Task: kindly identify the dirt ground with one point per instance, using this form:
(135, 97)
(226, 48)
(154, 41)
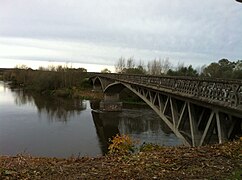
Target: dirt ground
(222, 161)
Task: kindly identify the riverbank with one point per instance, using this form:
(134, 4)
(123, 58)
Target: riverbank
(73, 92)
(222, 161)
(78, 93)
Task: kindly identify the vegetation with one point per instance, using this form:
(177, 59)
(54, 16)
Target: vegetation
(106, 70)
(221, 69)
(122, 144)
(221, 161)
(130, 67)
(183, 71)
(60, 81)
(158, 67)
(224, 69)
(56, 108)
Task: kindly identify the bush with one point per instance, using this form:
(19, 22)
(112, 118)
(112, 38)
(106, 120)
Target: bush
(122, 144)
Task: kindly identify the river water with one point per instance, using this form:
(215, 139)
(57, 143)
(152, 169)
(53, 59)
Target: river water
(46, 126)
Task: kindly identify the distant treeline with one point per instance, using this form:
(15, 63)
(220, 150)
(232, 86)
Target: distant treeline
(47, 79)
(221, 69)
(64, 78)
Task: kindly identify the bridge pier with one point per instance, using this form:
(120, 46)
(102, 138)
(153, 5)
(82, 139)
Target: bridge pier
(111, 102)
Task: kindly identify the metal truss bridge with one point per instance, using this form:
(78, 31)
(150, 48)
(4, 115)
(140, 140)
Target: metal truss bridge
(198, 110)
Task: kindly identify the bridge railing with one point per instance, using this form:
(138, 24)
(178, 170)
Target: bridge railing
(228, 92)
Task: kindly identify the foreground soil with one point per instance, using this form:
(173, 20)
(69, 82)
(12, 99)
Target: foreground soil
(208, 162)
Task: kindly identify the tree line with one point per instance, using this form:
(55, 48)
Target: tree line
(224, 68)
(47, 79)
(64, 77)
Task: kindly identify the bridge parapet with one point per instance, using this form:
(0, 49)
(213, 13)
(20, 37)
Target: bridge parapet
(223, 92)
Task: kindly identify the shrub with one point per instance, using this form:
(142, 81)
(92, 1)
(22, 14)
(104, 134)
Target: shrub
(122, 144)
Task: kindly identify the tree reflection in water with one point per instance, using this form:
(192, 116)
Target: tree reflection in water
(57, 109)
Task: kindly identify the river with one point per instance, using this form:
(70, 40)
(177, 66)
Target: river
(54, 127)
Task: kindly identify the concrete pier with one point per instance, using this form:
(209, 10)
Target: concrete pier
(111, 102)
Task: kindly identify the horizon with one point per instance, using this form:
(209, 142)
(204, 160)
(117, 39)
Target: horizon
(37, 64)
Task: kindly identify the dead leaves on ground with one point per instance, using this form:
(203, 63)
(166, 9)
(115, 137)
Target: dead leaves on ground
(211, 162)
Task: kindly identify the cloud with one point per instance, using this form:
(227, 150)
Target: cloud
(100, 31)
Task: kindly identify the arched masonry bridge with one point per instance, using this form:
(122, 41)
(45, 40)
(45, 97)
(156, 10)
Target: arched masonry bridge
(198, 110)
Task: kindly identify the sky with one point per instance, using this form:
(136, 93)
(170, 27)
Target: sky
(94, 34)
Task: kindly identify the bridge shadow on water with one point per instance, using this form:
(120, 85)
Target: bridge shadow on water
(141, 123)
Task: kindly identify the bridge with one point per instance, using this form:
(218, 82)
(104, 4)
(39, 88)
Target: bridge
(198, 110)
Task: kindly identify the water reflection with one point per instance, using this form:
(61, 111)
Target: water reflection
(26, 125)
(140, 123)
(21, 98)
(106, 128)
(33, 124)
(57, 109)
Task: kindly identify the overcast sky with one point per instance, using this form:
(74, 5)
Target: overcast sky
(99, 32)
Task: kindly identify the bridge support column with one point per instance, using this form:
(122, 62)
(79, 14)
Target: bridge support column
(111, 102)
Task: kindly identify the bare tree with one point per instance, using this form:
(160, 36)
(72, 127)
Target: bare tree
(141, 67)
(141, 64)
(130, 63)
(200, 69)
(158, 66)
(51, 68)
(165, 65)
(119, 67)
(21, 66)
(154, 67)
(149, 68)
(179, 66)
